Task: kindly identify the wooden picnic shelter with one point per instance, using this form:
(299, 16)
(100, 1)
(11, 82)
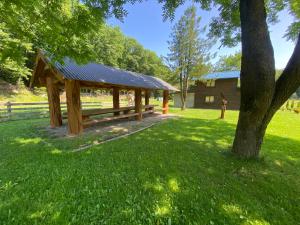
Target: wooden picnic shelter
(71, 77)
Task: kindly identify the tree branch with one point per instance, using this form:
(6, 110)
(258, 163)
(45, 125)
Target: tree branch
(289, 81)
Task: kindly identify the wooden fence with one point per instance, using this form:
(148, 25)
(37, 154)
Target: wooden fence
(26, 110)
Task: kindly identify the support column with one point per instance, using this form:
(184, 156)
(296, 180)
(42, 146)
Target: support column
(116, 100)
(165, 102)
(147, 96)
(73, 106)
(138, 103)
(54, 102)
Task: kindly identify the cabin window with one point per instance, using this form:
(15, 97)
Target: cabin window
(210, 83)
(209, 99)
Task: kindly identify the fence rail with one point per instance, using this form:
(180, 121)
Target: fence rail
(25, 110)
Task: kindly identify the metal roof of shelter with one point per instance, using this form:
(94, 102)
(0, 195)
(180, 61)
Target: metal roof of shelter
(222, 75)
(99, 73)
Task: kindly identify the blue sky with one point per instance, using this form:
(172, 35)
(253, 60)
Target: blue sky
(144, 22)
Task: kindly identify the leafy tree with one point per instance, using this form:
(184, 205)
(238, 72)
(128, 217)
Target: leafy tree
(68, 28)
(187, 50)
(60, 27)
(261, 95)
(108, 45)
(229, 63)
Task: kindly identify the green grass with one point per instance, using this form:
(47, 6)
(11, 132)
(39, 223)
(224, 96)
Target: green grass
(177, 172)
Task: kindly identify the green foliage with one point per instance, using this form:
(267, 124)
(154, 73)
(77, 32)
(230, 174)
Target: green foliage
(226, 25)
(188, 178)
(294, 29)
(68, 28)
(188, 51)
(65, 27)
(229, 63)
(60, 27)
(113, 48)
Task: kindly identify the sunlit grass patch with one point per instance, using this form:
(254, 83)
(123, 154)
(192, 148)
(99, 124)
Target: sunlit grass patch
(177, 172)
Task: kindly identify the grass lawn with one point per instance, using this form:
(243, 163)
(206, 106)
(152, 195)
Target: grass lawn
(177, 172)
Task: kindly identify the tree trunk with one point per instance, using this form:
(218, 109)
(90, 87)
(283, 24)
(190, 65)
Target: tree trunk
(261, 97)
(182, 92)
(257, 78)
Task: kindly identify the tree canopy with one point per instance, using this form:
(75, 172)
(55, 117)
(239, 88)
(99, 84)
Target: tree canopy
(227, 25)
(69, 28)
(188, 51)
(229, 63)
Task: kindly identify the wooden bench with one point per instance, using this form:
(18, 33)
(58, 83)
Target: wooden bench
(87, 113)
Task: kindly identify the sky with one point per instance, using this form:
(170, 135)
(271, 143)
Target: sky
(144, 22)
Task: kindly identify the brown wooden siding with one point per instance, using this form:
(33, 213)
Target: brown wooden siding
(226, 86)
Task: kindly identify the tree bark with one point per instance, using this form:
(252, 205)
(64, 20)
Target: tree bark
(182, 96)
(261, 97)
(257, 78)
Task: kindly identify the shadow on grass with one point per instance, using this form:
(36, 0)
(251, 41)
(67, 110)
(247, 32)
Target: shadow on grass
(176, 172)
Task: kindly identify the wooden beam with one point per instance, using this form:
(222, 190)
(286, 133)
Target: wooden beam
(54, 102)
(165, 102)
(106, 119)
(116, 100)
(99, 85)
(147, 96)
(138, 103)
(73, 107)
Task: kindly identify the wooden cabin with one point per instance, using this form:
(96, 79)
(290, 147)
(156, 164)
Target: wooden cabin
(71, 77)
(207, 93)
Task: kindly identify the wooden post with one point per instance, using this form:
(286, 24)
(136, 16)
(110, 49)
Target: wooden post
(165, 102)
(138, 103)
(54, 102)
(9, 109)
(73, 107)
(147, 96)
(116, 100)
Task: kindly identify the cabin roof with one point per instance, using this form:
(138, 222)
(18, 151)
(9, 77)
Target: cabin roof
(98, 73)
(222, 75)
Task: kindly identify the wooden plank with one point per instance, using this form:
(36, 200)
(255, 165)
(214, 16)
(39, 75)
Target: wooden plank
(94, 112)
(73, 107)
(42, 103)
(91, 112)
(30, 108)
(97, 121)
(28, 103)
(138, 103)
(165, 102)
(54, 102)
(116, 100)
(148, 111)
